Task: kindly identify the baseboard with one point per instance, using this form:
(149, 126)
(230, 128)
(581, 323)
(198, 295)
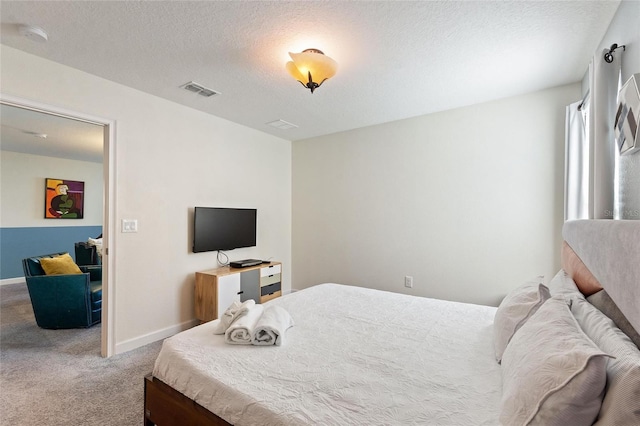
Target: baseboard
(137, 342)
(7, 281)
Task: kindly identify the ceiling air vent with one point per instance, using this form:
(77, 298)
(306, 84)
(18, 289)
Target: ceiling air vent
(194, 87)
(282, 125)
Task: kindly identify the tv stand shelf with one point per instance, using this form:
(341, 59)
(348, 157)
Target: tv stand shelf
(218, 288)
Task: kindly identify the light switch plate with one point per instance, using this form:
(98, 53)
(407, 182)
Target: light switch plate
(129, 225)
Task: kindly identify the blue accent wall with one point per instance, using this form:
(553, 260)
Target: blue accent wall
(19, 243)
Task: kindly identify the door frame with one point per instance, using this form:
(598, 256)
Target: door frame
(107, 345)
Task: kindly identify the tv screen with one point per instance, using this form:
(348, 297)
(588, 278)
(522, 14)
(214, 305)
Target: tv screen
(216, 228)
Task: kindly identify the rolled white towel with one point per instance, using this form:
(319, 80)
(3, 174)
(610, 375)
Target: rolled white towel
(233, 312)
(240, 332)
(271, 327)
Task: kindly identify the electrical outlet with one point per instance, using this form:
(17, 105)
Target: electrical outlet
(408, 281)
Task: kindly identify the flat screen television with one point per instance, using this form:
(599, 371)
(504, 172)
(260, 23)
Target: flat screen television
(216, 228)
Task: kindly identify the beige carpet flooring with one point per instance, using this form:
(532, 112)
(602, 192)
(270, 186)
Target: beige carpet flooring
(57, 377)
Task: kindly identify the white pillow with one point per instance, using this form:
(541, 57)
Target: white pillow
(563, 284)
(552, 373)
(603, 302)
(621, 404)
(515, 309)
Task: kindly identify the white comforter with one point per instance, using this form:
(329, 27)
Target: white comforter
(355, 356)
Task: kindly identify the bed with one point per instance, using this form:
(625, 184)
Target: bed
(362, 356)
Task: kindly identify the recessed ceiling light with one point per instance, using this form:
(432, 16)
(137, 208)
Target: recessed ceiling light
(282, 125)
(33, 33)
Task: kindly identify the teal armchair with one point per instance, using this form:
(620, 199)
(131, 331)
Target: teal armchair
(64, 301)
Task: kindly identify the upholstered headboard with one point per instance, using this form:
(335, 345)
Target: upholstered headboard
(610, 250)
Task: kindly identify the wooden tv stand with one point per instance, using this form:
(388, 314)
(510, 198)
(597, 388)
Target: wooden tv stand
(217, 288)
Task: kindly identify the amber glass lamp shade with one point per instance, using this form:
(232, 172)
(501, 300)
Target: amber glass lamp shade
(311, 68)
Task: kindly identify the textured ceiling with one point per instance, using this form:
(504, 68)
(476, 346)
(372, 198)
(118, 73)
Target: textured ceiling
(396, 59)
(22, 131)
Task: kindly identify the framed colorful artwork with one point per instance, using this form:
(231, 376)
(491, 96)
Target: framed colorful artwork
(64, 199)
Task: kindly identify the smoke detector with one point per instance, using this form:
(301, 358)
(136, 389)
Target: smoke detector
(36, 34)
(194, 87)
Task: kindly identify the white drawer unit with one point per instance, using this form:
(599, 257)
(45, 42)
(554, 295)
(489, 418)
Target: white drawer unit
(270, 282)
(265, 271)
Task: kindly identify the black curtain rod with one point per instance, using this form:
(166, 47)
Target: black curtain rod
(608, 56)
(584, 99)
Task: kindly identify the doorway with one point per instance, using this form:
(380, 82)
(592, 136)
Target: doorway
(17, 113)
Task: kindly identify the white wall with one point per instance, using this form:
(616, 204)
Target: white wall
(469, 201)
(22, 188)
(170, 158)
(625, 30)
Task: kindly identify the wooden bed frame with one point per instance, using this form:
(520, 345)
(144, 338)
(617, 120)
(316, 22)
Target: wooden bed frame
(165, 406)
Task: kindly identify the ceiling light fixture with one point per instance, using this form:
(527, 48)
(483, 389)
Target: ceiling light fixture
(33, 33)
(311, 68)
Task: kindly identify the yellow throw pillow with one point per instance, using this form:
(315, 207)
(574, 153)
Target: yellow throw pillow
(59, 265)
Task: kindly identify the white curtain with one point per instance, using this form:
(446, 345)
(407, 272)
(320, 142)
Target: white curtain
(590, 148)
(576, 162)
